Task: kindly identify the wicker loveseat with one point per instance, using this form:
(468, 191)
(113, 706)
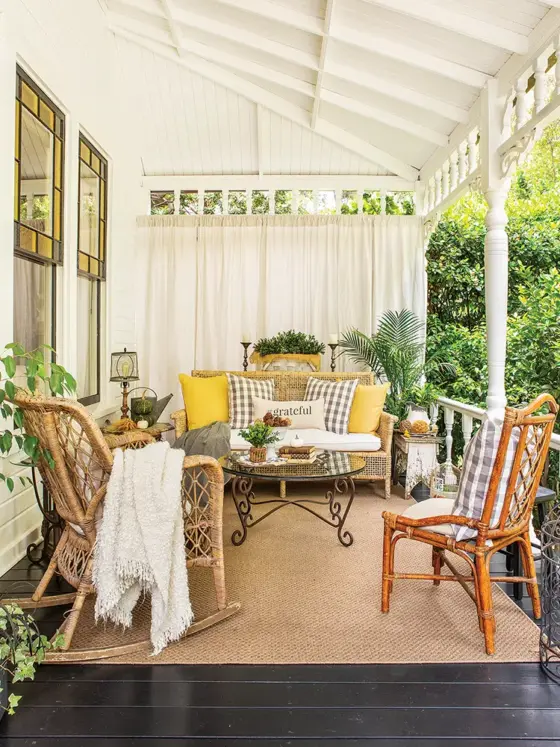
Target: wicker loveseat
(291, 385)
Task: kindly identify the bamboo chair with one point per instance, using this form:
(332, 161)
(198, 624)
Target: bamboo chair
(78, 484)
(513, 525)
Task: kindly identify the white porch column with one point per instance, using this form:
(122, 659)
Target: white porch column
(495, 187)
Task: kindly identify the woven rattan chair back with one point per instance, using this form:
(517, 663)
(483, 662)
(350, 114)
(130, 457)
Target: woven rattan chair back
(535, 429)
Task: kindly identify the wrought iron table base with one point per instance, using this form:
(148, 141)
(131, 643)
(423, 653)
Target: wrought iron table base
(244, 499)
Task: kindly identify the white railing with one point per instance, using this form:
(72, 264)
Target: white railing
(468, 413)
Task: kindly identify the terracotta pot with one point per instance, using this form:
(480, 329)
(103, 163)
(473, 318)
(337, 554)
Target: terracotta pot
(257, 453)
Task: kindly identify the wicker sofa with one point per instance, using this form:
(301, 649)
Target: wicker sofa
(291, 385)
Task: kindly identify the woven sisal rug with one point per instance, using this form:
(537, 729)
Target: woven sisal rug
(306, 599)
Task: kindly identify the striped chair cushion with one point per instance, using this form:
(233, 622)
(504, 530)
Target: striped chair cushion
(338, 396)
(474, 482)
(241, 391)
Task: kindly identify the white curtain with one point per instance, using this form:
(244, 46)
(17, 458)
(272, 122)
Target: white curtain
(204, 282)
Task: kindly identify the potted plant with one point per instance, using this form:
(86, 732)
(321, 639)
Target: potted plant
(291, 349)
(22, 648)
(395, 353)
(260, 435)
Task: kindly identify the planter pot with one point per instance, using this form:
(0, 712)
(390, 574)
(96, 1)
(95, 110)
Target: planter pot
(420, 492)
(257, 453)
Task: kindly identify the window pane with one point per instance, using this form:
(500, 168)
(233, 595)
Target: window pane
(305, 202)
(400, 203)
(188, 203)
(349, 202)
(372, 203)
(88, 337)
(213, 203)
(162, 203)
(37, 153)
(33, 293)
(283, 201)
(89, 211)
(237, 202)
(327, 202)
(261, 202)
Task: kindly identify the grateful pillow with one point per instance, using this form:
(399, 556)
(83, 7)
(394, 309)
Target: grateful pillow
(338, 397)
(308, 414)
(206, 400)
(474, 482)
(367, 407)
(241, 392)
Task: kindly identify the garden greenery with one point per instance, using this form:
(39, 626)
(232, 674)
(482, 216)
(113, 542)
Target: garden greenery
(289, 342)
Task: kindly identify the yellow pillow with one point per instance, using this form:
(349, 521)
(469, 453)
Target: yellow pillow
(206, 400)
(367, 408)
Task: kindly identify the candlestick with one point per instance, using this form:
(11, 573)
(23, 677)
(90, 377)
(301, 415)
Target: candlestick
(333, 346)
(245, 344)
(333, 338)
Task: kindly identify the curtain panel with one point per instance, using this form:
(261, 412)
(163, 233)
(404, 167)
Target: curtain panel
(205, 282)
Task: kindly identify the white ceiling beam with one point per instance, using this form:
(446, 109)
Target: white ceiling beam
(550, 3)
(276, 103)
(169, 11)
(460, 23)
(276, 181)
(260, 140)
(278, 13)
(385, 117)
(329, 10)
(373, 82)
(403, 53)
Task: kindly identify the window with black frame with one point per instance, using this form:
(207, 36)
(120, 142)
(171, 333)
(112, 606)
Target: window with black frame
(38, 213)
(92, 257)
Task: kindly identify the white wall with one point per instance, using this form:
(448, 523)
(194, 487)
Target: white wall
(65, 46)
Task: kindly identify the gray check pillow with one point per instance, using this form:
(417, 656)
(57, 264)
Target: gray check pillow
(338, 396)
(474, 482)
(241, 391)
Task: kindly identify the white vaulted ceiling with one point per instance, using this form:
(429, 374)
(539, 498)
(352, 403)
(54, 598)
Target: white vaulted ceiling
(311, 86)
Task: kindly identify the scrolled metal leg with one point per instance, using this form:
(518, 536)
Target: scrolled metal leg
(242, 491)
(342, 486)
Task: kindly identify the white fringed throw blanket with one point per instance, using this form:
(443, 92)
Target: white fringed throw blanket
(140, 543)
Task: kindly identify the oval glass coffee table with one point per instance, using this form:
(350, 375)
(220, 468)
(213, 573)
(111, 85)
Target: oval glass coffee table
(329, 466)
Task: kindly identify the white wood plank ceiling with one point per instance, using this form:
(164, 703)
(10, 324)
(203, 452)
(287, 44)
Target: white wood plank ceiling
(310, 86)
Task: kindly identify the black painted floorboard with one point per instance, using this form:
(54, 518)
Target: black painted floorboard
(437, 705)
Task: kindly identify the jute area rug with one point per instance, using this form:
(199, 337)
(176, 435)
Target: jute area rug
(306, 599)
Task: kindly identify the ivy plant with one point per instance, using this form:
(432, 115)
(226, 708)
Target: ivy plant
(260, 434)
(22, 648)
(290, 342)
(39, 375)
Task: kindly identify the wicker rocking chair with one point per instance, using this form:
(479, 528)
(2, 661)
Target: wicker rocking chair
(513, 525)
(78, 483)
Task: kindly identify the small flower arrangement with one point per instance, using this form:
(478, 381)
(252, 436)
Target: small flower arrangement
(260, 435)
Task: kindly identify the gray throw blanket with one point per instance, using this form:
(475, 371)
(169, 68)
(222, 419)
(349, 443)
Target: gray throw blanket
(212, 440)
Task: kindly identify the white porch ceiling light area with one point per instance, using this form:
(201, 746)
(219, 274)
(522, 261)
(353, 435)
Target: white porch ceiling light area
(360, 86)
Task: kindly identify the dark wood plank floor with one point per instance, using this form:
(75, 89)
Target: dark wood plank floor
(481, 705)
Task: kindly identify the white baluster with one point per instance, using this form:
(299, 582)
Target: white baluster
(249, 199)
(200, 201)
(462, 161)
(383, 201)
(521, 102)
(557, 66)
(360, 199)
(338, 200)
(438, 187)
(315, 201)
(540, 82)
(448, 417)
(434, 412)
(467, 429)
(225, 202)
(473, 159)
(445, 180)
(453, 170)
(431, 194)
(271, 201)
(177, 201)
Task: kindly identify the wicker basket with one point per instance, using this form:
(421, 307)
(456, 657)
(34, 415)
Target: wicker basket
(257, 454)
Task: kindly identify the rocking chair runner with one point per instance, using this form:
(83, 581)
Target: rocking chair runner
(78, 484)
(513, 525)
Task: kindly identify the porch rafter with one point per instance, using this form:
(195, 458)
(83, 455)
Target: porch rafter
(329, 13)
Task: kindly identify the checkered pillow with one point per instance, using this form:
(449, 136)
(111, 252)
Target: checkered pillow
(474, 482)
(338, 396)
(241, 391)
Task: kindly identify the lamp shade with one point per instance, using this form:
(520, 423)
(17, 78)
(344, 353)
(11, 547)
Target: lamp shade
(124, 366)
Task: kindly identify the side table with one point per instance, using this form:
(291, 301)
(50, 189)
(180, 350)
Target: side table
(138, 438)
(416, 457)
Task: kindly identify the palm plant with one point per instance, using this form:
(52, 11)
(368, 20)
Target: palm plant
(395, 353)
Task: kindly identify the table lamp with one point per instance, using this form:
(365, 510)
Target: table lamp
(124, 368)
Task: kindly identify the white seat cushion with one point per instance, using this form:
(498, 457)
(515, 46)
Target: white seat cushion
(433, 507)
(326, 440)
